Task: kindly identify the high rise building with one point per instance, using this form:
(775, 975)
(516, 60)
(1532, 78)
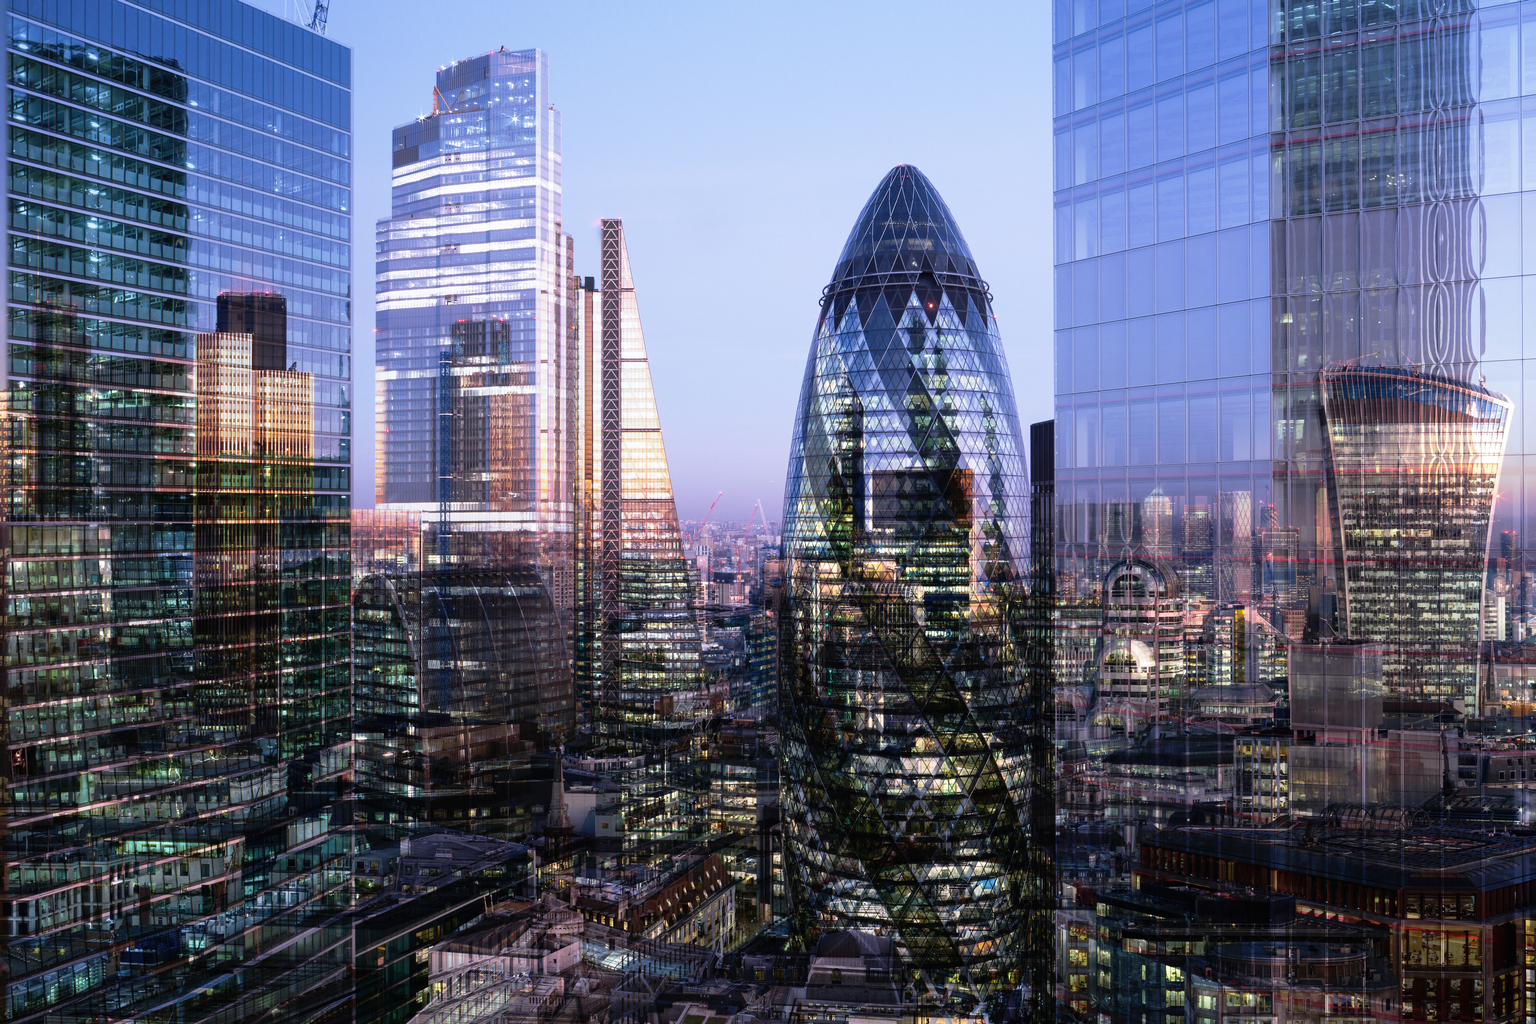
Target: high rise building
(1243, 229)
(1290, 298)
(178, 388)
(474, 398)
(637, 636)
(464, 666)
(1413, 462)
(916, 784)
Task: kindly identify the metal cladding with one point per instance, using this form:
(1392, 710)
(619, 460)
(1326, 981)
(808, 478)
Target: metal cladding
(913, 761)
(1414, 461)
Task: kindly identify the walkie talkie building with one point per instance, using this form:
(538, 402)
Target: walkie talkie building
(915, 757)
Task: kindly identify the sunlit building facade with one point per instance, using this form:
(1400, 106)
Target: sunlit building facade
(474, 400)
(178, 403)
(912, 724)
(637, 636)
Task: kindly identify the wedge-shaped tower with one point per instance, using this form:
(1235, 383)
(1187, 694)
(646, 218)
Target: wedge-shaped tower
(916, 763)
(1413, 470)
(637, 638)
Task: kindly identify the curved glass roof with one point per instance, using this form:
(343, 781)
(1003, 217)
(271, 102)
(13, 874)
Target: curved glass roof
(905, 227)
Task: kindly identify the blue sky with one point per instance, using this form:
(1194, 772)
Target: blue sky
(738, 142)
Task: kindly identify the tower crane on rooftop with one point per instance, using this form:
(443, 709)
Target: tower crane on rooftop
(317, 19)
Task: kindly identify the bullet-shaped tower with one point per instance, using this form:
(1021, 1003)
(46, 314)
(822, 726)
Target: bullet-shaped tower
(917, 768)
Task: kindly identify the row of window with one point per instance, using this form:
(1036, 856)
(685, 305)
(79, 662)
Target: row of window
(130, 29)
(101, 63)
(1150, 46)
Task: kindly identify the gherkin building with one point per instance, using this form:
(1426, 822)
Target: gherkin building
(917, 772)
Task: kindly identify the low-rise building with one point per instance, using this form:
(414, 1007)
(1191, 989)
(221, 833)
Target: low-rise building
(410, 896)
(691, 900)
(1455, 907)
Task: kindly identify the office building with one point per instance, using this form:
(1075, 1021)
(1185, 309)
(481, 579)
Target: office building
(177, 666)
(912, 722)
(1245, 235)
(460, 674)
(475, 360)
(1413, 462)
(637, 636)
(464, 668)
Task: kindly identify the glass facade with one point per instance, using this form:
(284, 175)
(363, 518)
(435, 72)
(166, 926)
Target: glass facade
(178, 385)
(637, 635)
(459, 674)
(475, 400)
(466, 668)
(1249, 197)
(912, 724)
(1290, 366)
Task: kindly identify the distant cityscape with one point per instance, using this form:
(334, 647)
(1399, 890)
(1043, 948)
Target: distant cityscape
(1210, 699)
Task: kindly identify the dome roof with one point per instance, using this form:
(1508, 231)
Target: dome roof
(905, 227)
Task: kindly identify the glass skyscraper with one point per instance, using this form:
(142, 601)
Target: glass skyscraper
(178, 389)
(1256, 203)
(1290, 373)
(475, 419)
(475, 398)
(916, 776)
(637, 638)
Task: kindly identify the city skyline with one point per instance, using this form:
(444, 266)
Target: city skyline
(426, 640)
(717, 152)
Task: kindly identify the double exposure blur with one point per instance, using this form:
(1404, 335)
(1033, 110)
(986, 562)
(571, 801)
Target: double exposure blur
(1290, 501)
(912, 731)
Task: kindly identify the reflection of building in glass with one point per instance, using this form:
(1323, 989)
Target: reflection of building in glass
(1142, 654)
(475, 353)
(1290, 295)
(177, 664)
(459, 673)
(912, 712)
(1413, 465)
(1431, 896)
(637, 637)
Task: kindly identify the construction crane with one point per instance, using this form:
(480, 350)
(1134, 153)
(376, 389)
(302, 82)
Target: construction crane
(700, 531)
(317, 20)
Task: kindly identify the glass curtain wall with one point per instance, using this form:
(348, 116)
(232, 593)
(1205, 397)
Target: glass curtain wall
(1291, 270)
(638, 637)
(913, 780)
(475, 397)
(178, 390)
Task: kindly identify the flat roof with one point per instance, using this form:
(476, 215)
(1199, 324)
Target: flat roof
(1423, 857)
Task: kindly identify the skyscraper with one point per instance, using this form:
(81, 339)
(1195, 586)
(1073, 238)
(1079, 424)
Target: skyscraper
(178, 411)
(1260, 208)
(476, 362)
(1290, 281)
(636, 630)
(466, 659)
(914, 782)
(1413, 462)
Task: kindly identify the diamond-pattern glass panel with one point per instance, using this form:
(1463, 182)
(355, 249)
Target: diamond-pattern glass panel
(910, 725)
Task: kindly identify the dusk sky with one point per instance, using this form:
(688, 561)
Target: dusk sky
(738, 142)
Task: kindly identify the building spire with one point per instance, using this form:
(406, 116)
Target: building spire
(559, 819)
